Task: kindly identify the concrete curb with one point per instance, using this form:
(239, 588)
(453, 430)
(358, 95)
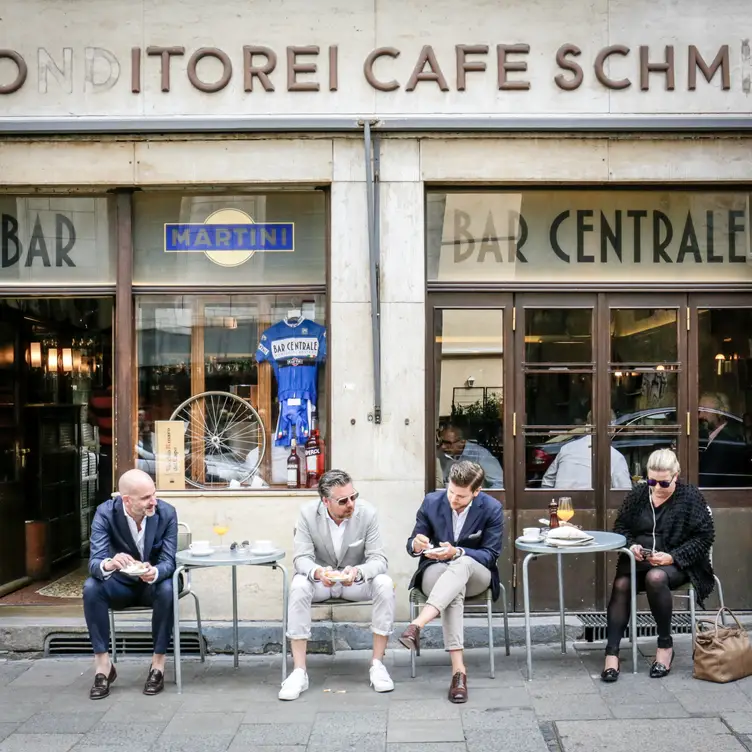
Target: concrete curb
(22, 635)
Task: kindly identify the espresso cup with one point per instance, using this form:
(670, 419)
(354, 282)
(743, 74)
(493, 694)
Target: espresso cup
(200, 545)
(263, 545)
(530, 533)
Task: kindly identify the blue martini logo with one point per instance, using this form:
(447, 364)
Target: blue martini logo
(229, 237)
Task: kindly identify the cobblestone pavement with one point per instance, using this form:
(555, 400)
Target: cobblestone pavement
(44, 706)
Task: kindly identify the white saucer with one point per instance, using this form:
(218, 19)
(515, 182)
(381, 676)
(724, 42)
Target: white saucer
(201, 552)
(530, 540)
(263, 551)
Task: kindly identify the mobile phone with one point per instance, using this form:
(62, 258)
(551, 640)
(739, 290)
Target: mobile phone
(647, 552)
(437, 550)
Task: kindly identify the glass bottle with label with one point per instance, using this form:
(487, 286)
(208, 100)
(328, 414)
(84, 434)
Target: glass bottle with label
(293, 466)
(314, 459)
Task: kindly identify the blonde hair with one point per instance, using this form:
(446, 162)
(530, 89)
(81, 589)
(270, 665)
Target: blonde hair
(664, 460)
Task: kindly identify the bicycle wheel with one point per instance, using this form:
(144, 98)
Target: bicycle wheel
(225, 439)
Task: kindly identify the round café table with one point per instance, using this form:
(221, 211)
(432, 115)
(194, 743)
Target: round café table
(601, 542)
(222, 556)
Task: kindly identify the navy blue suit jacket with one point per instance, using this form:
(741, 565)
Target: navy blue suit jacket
(111, 535)
(481, 535)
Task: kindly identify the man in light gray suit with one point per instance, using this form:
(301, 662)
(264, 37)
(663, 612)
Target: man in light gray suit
(338, 554)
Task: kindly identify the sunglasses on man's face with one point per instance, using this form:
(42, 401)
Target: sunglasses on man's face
(652, 482)
(345, 500)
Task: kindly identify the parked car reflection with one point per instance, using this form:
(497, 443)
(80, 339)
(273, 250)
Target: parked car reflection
(725, 459)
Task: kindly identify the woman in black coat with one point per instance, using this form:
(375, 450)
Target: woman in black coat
(669, 528)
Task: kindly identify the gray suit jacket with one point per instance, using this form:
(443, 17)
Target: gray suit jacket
(361, 546)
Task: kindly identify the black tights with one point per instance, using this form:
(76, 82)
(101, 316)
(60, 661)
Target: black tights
(657, 583)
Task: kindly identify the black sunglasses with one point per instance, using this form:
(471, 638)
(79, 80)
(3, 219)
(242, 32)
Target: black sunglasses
(652, 482)
(244, 546)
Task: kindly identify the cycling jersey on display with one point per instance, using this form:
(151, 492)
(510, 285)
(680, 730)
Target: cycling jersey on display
(294, 422)
(294, 349)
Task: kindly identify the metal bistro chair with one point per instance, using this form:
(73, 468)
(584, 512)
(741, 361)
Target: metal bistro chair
(479, 604)
(691, 595)
(184, 540)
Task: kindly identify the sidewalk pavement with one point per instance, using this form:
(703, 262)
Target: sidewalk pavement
(44, 707)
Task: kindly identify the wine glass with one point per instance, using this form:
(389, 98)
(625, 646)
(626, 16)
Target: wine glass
(565, 512)
(221, 525)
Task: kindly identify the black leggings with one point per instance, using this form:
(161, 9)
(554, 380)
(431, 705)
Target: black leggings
(657, 583)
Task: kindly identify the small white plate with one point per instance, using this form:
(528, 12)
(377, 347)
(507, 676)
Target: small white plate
(262, 551)
(530, 540)
(134, 572)
(200, 551)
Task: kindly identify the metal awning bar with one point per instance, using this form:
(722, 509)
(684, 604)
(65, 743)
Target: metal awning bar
(694, 123)
(372, 199)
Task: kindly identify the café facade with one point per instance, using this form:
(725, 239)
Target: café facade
(516, 226)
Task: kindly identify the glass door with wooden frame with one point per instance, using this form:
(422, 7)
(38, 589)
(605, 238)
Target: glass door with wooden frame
(468, 389)
(555, 355)
(720, 436)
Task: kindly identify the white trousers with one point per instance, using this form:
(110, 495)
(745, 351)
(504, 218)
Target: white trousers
(303, 592)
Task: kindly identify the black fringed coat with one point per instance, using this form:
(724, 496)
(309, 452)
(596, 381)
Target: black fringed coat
(689, 531)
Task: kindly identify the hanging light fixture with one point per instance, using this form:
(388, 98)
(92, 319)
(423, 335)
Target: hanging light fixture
(35, 354)
(52, 359)
(720, 359)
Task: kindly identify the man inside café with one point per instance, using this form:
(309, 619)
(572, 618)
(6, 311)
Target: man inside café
(338, 553)
(457, 535)
(134, 539)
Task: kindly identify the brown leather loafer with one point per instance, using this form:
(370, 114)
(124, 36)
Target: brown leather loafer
(101, 687)
(458, 688)
(154, 682)
(410, 638)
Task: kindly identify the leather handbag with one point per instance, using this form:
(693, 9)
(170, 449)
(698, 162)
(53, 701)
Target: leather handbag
(721, 653)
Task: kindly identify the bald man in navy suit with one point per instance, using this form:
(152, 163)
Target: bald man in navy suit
(133, 529)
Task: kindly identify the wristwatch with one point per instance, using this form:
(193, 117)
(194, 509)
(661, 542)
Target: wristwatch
(459, 552)
(359, 577)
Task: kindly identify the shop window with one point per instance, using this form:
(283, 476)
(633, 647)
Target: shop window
(225, 384)
(588, 236)
(57, 240)
(469, 392)
(185, 239)
(724, 416)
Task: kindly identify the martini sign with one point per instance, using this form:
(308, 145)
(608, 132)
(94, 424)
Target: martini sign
(229, 237)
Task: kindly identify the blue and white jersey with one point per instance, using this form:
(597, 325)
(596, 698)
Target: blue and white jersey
(294, 350)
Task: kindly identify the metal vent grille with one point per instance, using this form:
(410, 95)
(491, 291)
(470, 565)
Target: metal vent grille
(594, 623)
(127, 643)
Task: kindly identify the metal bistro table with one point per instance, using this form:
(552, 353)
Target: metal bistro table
(223, 557)
(603, 542)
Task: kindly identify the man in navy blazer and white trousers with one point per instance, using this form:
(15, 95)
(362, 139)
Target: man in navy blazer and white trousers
(467, 525)
(134, 527)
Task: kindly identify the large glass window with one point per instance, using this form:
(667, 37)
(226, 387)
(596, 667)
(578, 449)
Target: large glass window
(587, 236)
(469, 392)
(724, 418)
(250, 239)
(225, 384)
(57, 240)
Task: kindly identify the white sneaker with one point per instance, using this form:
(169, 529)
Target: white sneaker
(380, 679)
(296, 683)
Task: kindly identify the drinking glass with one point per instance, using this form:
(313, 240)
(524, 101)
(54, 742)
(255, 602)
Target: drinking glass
(221, 525)
(565, 511)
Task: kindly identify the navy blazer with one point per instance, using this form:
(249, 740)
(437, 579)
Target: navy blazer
(111, 535)
(481, 535)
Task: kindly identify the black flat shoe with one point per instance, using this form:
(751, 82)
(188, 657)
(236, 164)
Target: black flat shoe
(101, 687)
(658, 670)
(610, 675)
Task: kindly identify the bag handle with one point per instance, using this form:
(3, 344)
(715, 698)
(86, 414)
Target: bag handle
(730, 612)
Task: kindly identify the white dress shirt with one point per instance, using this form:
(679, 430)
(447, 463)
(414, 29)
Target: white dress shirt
(138, 539)
(572, 467)
(458, 521)
(338, 534)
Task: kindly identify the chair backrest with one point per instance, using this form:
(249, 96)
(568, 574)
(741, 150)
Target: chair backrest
(184, 536)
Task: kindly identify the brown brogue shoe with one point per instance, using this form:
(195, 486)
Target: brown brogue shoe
(410, 638)
(458, 688)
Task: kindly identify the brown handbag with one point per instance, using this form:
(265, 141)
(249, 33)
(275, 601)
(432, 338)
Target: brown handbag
(721, 653)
